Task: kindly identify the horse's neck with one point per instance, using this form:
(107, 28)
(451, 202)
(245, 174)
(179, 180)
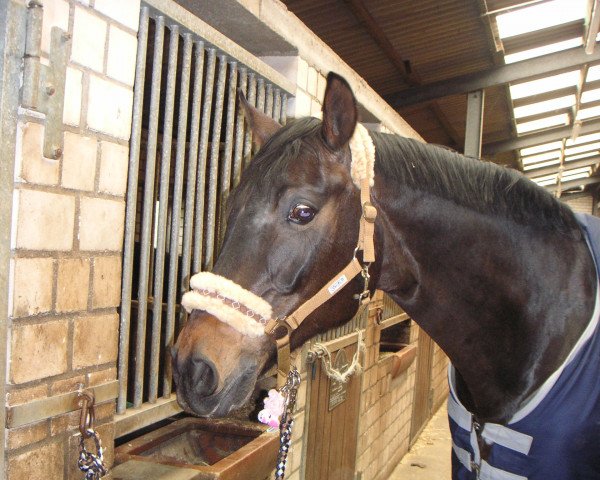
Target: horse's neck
(505, 303)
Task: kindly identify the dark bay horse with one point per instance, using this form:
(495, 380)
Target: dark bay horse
(491, 266)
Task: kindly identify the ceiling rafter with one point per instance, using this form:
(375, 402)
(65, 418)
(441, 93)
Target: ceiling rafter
(587, 162)
(546, 136)
(514, 72)
(582, 182)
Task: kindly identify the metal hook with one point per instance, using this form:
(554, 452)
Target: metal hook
(88, 415)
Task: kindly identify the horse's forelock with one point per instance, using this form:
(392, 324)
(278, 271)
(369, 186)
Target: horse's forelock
(273, 161)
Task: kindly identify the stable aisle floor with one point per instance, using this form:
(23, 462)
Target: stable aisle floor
(429, 458)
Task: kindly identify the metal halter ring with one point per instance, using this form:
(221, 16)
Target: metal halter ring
(365, 293)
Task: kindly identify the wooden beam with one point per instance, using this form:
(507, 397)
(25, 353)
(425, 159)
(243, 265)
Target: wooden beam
(446, 125)
(514, 72)
(367, 20)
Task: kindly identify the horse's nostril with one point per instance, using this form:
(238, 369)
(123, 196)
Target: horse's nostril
(203, 375)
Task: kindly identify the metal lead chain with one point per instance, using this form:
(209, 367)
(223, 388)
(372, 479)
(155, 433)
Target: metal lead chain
(289, 390)
(91, 464)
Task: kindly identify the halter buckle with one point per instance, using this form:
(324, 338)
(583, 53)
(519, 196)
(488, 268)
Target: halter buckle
(369, 212)
(274, 325)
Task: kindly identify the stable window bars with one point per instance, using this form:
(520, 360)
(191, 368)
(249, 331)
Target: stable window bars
(188, 148)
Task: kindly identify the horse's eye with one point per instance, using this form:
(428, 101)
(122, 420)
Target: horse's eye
(301, 214)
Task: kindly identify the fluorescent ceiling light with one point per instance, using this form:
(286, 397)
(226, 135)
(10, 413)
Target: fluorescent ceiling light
(585, 113)
(533, 166)
(541, 148)
(545, 106)
(536, 17)
(543, 85)
(543, 50)
(546, 122)
(540, 157)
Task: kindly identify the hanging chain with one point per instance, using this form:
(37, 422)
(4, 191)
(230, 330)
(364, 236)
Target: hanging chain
(289, 391)
(92, 465)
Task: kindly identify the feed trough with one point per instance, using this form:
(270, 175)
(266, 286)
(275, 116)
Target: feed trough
(197, 448)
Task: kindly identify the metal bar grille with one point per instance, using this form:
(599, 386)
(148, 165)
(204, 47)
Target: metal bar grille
(187, 151)
(130, 214)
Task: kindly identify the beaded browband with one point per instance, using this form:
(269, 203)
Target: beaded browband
(250, 314)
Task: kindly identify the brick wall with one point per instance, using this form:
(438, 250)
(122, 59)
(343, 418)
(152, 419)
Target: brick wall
(67, 228)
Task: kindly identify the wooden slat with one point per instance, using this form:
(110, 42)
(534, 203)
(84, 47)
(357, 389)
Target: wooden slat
(312, 423)
(325, 418)
(332, 435)
(339, 417)
(350, 436)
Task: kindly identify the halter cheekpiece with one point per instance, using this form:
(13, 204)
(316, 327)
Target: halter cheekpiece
(250, 314)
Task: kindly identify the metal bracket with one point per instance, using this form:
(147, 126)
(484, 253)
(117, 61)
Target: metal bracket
(48, 407)
(44, 85)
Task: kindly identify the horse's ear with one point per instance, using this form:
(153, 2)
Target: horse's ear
(263, 127)
(339, 112)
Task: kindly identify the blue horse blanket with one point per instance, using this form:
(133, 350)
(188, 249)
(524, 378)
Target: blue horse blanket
(556, 435)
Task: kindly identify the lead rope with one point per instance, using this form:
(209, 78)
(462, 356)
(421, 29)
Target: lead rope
(289, 391)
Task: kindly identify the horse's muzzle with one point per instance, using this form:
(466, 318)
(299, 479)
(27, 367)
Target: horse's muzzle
(212, 374)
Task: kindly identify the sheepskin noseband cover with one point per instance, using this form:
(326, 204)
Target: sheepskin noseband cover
(242, 309)
(230, 303)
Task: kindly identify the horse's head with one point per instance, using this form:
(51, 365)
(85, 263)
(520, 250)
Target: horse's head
(292, 225)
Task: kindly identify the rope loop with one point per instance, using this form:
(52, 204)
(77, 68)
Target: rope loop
(322, 351)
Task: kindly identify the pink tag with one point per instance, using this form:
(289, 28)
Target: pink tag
(274, 404)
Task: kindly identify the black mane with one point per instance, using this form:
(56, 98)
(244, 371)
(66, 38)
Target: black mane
(479, 185)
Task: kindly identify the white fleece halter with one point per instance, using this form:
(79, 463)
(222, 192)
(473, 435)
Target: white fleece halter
(243, 310)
